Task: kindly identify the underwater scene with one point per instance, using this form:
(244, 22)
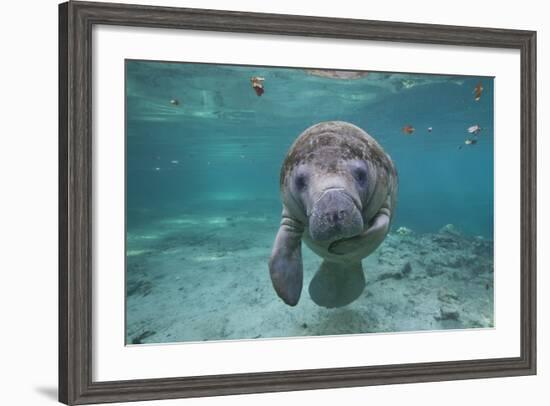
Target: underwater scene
(269, 202)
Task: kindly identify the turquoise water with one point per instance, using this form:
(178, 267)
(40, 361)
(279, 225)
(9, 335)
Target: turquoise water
(203, 159)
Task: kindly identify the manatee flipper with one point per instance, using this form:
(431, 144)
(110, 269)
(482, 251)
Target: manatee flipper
(337, 284)
(285, 264)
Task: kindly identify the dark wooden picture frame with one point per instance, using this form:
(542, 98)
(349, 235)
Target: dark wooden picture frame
(76, 20)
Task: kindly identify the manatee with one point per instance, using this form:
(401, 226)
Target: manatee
(339, 191)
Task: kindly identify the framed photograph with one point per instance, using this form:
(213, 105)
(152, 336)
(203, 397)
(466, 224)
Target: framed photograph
(258, 202)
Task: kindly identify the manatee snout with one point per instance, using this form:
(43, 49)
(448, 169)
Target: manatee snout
(334, 216)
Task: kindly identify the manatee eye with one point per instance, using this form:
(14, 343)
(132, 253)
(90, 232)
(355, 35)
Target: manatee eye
(360, 175)
(301, 182)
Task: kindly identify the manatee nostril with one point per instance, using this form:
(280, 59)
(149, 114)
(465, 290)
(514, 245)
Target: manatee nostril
(329, 217)
(334, 216)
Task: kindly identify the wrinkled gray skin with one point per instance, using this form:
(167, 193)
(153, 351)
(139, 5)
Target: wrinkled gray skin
(339, 191)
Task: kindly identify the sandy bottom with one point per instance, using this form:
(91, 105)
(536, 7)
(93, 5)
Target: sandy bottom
(203, 276)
